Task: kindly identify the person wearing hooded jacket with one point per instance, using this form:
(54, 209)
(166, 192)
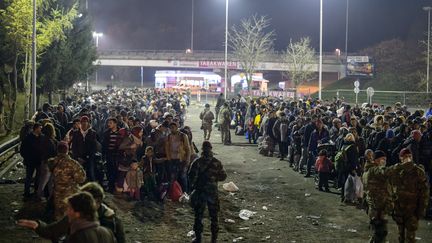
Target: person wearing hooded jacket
(281, 132)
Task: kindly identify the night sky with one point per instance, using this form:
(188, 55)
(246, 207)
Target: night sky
(166, 24)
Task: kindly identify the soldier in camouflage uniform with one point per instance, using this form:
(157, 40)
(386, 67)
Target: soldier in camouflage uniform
(411, 195)
(207, 117)
(67, 174)
(225, 122)
(219, 103)
(204, 175)
(377, 190)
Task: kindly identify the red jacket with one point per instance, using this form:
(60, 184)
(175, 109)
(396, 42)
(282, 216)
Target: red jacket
(323, 164)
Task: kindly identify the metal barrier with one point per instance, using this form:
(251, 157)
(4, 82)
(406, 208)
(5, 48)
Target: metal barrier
(5, 149)
(409, 98)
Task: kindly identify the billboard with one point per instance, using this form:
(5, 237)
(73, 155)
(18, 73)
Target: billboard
(360, 66)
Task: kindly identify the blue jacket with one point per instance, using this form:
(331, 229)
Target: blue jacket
(324, 136)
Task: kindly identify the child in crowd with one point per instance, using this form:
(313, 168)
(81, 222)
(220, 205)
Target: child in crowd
(323, 166)
(134, 180)
(148, 165)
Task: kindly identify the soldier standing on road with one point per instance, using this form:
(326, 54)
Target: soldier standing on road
(67, 175)
(411, 195)
(219, 104)
(377, 191)
(224, 124)
(204, 175)
(207, 117)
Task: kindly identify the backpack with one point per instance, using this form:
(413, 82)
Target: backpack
(341, 159)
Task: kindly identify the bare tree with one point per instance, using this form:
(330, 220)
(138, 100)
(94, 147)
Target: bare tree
(251, 43)
(299, 59)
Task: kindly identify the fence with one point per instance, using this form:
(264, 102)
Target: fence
(410, 98)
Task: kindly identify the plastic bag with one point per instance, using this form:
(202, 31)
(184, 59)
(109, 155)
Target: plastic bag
(175, 192)
(246, 214)
(358, 186)
(230, 187)
(350, 189)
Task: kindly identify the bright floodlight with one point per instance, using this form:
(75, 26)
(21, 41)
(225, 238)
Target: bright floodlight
(97, 34)
(188, 51)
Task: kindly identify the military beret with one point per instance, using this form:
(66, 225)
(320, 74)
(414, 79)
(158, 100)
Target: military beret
(404, 152)
(379, 154)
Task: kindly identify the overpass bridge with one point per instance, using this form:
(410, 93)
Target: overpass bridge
(204, 60)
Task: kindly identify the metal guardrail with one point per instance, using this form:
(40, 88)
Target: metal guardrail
(5, 149)
(9, 145)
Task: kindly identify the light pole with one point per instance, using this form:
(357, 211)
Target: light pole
(97, 35)
(192, 27)
(226, 47)
(34, 101)
(320, 51)
(428, 9)
(346, 28)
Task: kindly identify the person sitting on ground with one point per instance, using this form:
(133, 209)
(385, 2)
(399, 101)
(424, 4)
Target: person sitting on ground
(57, 230)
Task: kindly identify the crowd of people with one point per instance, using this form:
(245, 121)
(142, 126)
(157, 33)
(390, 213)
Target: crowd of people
(132, 143)
(377, 156)
(135, 142)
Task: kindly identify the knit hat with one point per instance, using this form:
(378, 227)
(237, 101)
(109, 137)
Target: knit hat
(404, 152)
(62, 148)
(207, 146)
(84, 119)
(389, 134)
(379, 154)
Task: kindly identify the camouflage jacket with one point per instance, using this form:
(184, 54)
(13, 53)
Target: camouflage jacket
(205, 173)
(376, 187)
(207, 117)
(67, 173)
(410, 188)
(225, 115)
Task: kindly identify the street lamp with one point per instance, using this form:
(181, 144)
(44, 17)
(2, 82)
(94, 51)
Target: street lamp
(346, 28)
(320, 52)
(192, 27)
(428, 9)
(97, 35)
(226, 47)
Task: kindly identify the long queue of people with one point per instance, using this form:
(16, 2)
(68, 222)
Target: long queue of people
(133, 143)
(377, 156)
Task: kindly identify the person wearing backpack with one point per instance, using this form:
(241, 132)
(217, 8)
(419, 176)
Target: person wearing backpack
(204, 175)
(207, 118)
(346, 161)
(281, 131)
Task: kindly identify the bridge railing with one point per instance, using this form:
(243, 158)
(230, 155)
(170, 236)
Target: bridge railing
(198, 55)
